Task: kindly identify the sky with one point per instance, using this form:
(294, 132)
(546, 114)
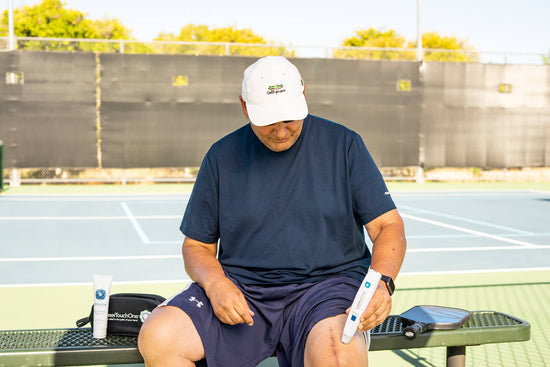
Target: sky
(521, 26)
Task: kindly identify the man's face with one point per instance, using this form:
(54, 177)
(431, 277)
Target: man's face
(279, 136)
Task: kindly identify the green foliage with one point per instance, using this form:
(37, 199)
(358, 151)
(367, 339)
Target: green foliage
(51, 19)
(433, 40)
(391, 39)
(48, 19)
(546, 59)
(375, 38)
(111, 29)
(202, 33)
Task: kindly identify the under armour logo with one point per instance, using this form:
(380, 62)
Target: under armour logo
(199, 303)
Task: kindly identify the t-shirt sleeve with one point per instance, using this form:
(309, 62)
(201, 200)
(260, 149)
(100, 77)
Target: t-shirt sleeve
(370, 194)
(200, 221)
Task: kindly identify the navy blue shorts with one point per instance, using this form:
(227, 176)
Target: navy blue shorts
(283, 317)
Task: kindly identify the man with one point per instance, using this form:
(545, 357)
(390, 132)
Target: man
(287, 197)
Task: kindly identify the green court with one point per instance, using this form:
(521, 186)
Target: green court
(493, 259)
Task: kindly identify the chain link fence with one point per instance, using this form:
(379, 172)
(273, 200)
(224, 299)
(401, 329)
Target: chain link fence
(15, 177)
(154, 47)
(41, 175)
(260, 50)
(38, 176)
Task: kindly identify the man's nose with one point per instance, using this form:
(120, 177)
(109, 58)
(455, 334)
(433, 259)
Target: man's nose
(280, 129)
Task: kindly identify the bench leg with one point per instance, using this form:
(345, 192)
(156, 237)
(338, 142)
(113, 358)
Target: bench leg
(456, 356)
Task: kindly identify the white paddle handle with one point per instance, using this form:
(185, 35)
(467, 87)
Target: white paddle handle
(360, 303)
(411, 331)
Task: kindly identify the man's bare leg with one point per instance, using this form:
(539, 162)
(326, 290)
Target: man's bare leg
(169, 338)
(324, 348)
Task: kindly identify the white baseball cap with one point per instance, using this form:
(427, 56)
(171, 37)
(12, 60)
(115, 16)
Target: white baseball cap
(273, 91)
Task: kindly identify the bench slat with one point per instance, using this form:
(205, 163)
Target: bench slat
(77, 347)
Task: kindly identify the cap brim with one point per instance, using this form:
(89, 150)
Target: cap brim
(262, 115)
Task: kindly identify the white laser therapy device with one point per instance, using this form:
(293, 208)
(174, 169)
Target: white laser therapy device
(360, 303)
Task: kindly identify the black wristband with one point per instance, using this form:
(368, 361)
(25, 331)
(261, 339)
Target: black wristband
(389, 283)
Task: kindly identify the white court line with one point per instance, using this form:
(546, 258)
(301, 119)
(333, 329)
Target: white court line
(171, 281)
(65, 218)
(462, 229)
(114, 217)
(474, 271)
(434, 236)
(135, 223)
(478, 248)
(187, 280)
(159, 257)
(89, 258)
(467, 220)
(540, 192)
(94, 197)
(166, 242)
(458, 192)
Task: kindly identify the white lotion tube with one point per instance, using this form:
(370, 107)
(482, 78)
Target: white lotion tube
(102, 289)
(360, 303)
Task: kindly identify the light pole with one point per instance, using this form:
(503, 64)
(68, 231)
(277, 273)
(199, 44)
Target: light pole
(11, 32)
(419, 51)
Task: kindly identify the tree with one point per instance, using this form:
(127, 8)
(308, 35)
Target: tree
(51, 19)
(461, 51)
(202, 33)
(377, 39)
(432, 43)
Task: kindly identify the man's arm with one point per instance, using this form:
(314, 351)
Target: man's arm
(204, 268)
(387, 234)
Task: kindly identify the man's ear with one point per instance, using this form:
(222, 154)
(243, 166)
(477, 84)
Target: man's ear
(243, 106)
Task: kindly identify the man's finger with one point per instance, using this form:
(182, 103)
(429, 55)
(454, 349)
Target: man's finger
(246, 315)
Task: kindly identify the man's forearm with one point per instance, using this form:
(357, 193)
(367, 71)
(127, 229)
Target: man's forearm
(389, 245)
(228, 302)
(388, 251)
(201, 263)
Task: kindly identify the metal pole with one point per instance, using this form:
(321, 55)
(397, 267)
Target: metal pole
(11, 32)
(419, 51)
(456, 356)
(1, 166)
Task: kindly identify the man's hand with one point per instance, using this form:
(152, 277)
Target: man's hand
(203, 267)
(377, 311)
(229, 303)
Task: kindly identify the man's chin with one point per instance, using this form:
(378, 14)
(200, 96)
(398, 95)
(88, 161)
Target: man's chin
(280, 147)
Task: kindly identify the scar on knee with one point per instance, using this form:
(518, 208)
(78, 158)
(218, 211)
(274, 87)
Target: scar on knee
(333, 342)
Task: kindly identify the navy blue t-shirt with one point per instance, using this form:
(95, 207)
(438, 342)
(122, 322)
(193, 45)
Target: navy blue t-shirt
(292, 216)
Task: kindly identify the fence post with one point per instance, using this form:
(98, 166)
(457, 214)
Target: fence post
(1, 166)
(419, 176)
(12, 43)
(15, 178)
(121, 46)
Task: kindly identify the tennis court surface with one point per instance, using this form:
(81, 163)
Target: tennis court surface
(476, 249)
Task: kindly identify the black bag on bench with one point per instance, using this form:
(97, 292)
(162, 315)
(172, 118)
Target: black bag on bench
(127, 312)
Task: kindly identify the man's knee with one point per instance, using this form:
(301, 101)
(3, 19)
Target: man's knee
(324, 348)
(168, 337)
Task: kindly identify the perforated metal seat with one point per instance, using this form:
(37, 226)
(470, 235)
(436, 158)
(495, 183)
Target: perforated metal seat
(73, 347)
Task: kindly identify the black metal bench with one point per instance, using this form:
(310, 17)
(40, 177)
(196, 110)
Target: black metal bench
(77, 347)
